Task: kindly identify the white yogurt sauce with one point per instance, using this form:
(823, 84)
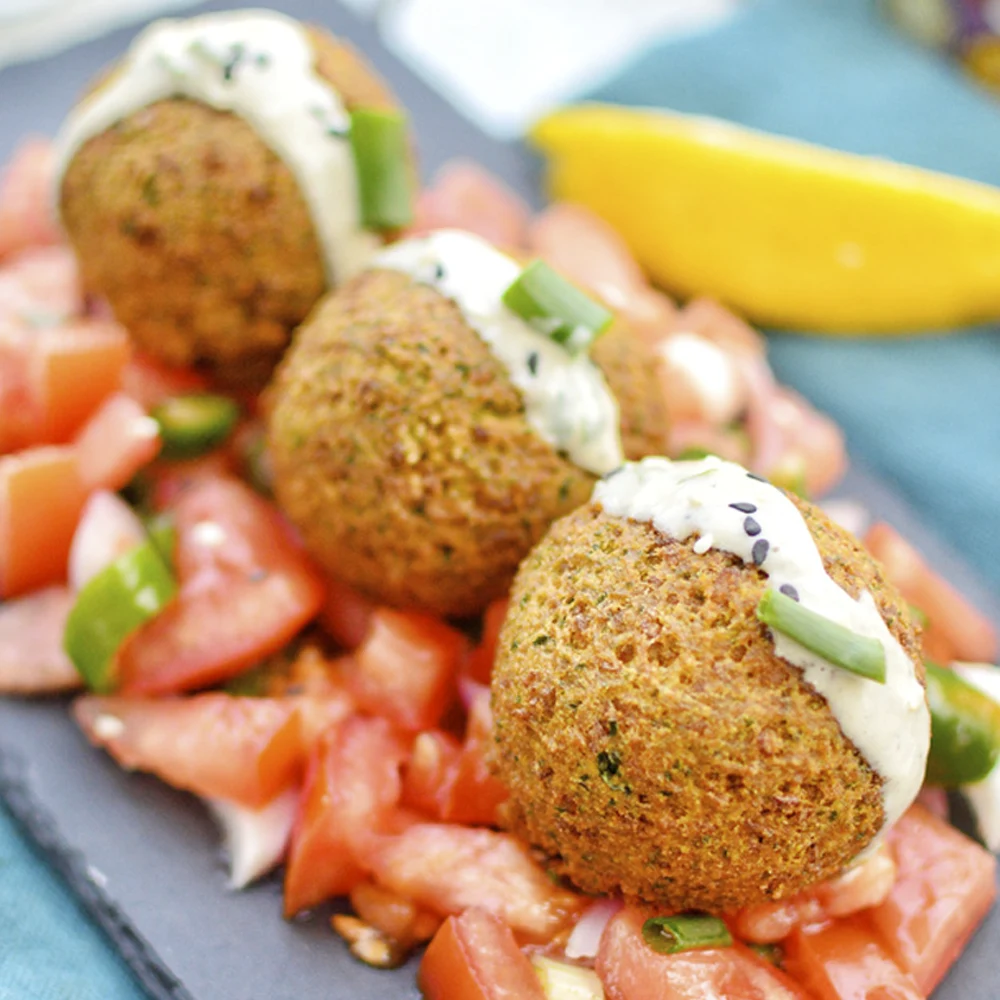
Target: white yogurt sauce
(728, 509)
(566, 399)
(257, 64)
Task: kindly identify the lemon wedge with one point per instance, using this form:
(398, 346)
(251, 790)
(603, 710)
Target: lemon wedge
(787, 233)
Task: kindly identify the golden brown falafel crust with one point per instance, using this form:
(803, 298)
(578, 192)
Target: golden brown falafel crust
(652, 741)
(197, 233)
(402, 452)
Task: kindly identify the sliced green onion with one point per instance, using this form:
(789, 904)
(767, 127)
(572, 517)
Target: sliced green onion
(382, 162)
(113, 604)
(826, 638)
(557, 308)
(194, 424)
(562, 981)
(685, 932)
(965, 730)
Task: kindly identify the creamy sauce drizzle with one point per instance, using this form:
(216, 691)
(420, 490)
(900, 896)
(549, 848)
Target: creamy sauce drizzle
(726, 508)
(258, 65)
(566, 399)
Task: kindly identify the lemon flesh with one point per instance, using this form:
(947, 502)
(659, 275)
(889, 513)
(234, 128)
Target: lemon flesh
(787, 233)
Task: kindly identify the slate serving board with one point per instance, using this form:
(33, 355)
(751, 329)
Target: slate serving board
(145, 859)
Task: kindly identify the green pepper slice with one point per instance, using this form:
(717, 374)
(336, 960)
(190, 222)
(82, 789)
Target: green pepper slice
(194, 424)
(111, 606)
(965, 730)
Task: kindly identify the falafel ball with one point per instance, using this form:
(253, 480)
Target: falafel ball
(403, 452)
(654, 743)
(194, 229)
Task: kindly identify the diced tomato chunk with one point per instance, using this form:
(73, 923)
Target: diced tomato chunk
(171, 480)
(246, 588)
(430, 772)
(474, 957)
(450, 868)
(479, 663)
(405, 669)
(21, 418)
(631, 970)
(245, 750)
(41, 497)
(32, 660)
(351, 788)
(946, 883)
(844, 960)
(26, 210)
(395, 916)
(955, 629)
(475, 793)
(463, 195)
(117, 441)
(76, 367)
(347, 614)
(40, 288)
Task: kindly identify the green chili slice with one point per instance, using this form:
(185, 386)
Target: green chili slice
(194, 424)
(826, 638)
(965, 730)
(685, 932)
(111, 606)
(557, 308)
(382, 162)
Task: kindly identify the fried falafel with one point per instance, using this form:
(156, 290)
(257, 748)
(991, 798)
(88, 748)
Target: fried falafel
(406, 455)
(655, 742)
(198, 226)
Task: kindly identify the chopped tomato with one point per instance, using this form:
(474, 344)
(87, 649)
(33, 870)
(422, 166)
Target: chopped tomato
(955, 629)
(587, 250)
(76, 367)
(405, 669)
(479, 663)
(318, 712)
(117, 441)
(40, 288)
(244, 750)
(430, 772)
(450, 868)
(26, 211)
(347, 614)
(41, 497)
(844, 960)
(149, 382)
(465, 196)
(245, 589)
(351, 788)
(32, 660)
(945, 886)
(631, 970)
(474, 957)
(171, 480)
(474, 793)
(52, 380)
(865, 885)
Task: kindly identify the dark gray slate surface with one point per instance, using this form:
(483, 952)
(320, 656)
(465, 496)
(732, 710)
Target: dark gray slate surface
(145, 859)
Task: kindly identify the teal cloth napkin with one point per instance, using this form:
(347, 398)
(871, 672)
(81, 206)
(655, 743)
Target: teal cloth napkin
(924, 411)
(49, 950)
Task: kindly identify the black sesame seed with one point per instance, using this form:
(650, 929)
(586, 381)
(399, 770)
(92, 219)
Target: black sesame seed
(439, 271)
(750, 526)
(533, 362)
(760, 479)
(759, 551)
(744, 508)
(235, 58)
(789, 591)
